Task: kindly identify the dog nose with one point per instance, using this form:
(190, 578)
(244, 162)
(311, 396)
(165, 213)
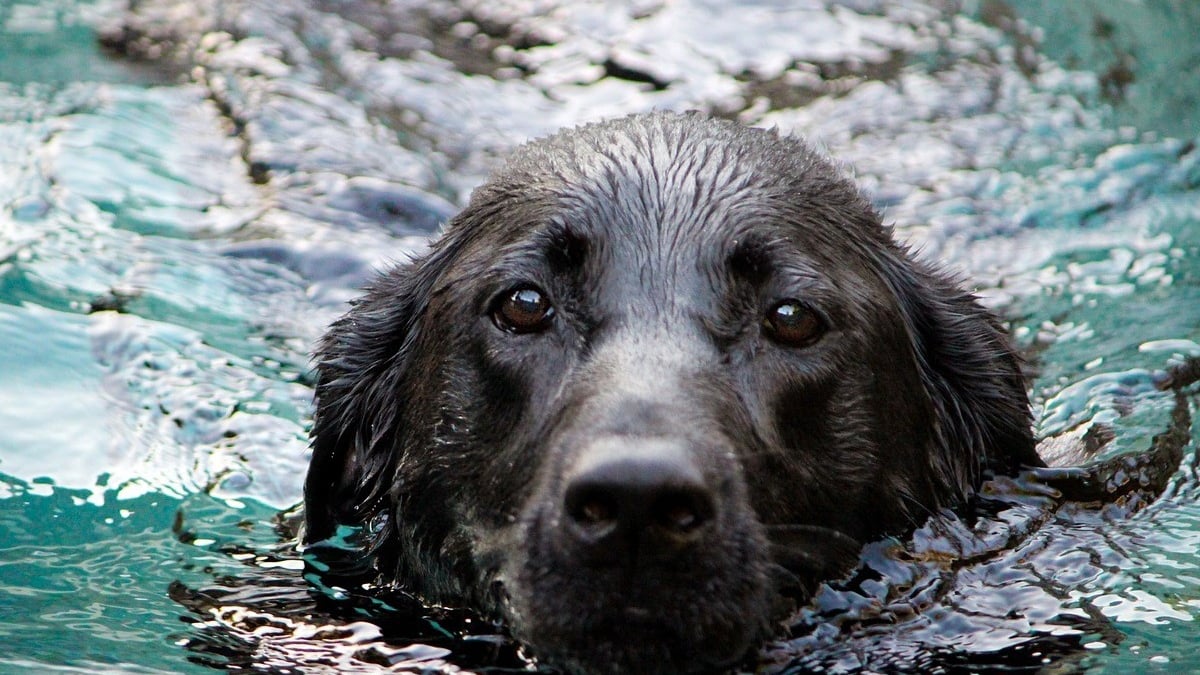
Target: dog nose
(636, 499)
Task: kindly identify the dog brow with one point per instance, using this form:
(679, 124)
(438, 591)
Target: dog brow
(750, 255)
(564, 247)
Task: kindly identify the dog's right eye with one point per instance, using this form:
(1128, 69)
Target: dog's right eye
(524, 309)
(793, 324)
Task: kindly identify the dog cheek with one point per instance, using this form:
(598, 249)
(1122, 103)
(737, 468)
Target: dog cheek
(476, 420)
(483, 457)
(802, 417)
(805, 450)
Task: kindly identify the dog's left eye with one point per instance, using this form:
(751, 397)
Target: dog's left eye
(793, 324)
(524, 309)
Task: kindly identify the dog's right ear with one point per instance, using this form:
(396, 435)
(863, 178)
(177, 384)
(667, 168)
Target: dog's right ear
(971, 375)
(362, 364)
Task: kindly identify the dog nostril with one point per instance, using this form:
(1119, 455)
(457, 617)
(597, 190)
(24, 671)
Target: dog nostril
(682, 513)
(596, 511)
(591, 507)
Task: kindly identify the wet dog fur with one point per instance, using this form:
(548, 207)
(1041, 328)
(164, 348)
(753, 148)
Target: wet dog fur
(661, 372)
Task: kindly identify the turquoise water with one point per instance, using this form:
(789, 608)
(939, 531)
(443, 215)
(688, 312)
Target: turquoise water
(174, 234)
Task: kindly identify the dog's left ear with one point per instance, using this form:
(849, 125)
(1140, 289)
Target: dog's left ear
(363, 363)
(970, 373)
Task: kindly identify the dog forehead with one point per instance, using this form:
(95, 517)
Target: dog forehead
(662, 201)
(675, 179)
(645, 176)
(656, 193)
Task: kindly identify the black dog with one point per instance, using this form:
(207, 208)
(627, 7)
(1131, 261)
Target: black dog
(654, 362)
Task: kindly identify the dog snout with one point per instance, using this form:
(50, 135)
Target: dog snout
(636, 499)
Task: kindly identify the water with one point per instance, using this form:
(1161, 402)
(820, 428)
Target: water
(174, 234)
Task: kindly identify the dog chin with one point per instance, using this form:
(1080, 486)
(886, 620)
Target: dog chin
(644, 640)
(686, 616)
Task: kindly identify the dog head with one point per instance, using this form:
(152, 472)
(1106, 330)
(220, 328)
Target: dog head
(654, 361)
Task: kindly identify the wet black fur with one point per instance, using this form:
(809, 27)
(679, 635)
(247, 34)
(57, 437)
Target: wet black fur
(662, 240)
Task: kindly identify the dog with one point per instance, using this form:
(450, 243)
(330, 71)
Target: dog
(660, 377)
